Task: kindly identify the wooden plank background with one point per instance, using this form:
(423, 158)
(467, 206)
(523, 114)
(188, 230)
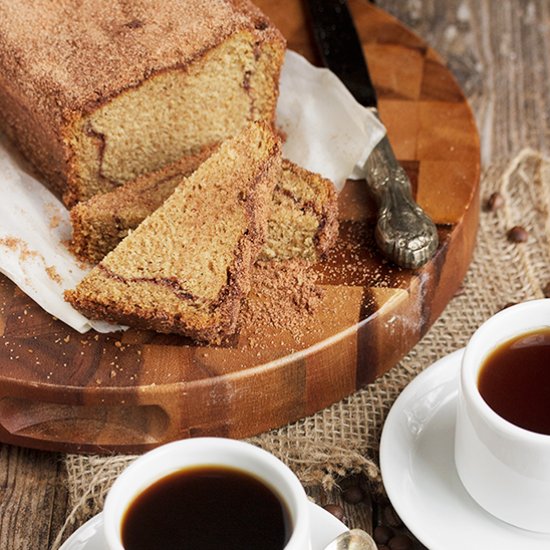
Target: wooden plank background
(499, 52)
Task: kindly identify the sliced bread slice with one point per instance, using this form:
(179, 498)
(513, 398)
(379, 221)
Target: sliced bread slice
(101, 222)
(303, 220)
(187, 267)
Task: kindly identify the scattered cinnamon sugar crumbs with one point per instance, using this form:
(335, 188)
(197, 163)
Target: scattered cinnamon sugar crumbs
(54, 214)
(53, 274)
(16, 244)
(284, 295)
(25, 253)
(55, 220)
(10, 242)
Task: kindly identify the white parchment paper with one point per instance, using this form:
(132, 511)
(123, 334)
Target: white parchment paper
(326, 130)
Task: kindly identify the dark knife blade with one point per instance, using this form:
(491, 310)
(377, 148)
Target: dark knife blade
(340, 47)
(404, 233)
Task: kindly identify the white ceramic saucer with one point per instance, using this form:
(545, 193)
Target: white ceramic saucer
(417, 462)
(325, 527)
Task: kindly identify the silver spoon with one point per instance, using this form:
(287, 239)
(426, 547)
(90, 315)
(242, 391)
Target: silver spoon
(356, 539)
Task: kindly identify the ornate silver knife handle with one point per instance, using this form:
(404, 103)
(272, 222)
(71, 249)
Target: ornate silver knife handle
(404, 233)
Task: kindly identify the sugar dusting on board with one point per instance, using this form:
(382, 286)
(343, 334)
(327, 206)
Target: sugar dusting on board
(283, 296)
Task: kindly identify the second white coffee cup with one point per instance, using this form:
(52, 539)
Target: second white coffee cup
(505, 468)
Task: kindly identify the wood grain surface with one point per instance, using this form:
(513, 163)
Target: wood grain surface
(494, 50)
(132, 391)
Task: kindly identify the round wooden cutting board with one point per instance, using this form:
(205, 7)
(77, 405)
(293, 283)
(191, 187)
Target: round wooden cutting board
(130, 391)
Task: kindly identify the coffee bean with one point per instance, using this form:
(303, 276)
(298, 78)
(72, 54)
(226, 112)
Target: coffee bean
(546, 290)
(336, 511)
(401, 542)
(494, 202)
(382, 534)
(507, 305)
(353, 495)
(383, 547)
(390, 517)
(518, 234)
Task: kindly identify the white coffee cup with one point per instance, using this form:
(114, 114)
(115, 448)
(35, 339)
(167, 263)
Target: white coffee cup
(207, 451)
(505, 468)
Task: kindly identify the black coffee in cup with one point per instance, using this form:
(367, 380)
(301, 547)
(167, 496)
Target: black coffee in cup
(515, 381)
(207, 508)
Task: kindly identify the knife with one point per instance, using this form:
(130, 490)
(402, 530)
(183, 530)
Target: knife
(404, 233)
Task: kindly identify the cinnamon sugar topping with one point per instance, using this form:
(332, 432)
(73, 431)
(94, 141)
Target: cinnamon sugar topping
(284, 295)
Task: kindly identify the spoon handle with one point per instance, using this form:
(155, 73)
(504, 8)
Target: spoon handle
(356, 539)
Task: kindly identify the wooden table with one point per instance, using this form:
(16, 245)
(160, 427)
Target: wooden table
(495, 50)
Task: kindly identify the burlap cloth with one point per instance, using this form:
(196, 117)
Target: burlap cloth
(344, 438)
